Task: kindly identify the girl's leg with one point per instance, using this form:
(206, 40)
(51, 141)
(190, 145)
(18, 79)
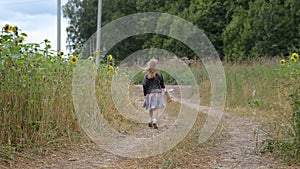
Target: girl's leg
(151, 114)
(155, 114)
(151, 117)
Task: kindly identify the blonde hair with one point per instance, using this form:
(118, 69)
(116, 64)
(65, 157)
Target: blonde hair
(151, 73)
(151, 68)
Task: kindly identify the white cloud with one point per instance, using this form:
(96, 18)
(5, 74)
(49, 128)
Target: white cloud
(38, 22)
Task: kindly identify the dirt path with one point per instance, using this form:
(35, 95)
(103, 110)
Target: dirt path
(233, 146)
(240, 140)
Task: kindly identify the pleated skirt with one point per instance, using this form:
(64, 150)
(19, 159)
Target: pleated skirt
(154, 101)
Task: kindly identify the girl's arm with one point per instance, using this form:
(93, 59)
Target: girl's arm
(162, 83)
(145, 86)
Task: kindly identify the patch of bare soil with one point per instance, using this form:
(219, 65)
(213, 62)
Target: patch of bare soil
(233, 146)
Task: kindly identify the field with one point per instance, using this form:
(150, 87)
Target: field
(39, 128)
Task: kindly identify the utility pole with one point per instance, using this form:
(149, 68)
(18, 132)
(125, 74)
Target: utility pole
(58, 25)
(98, 48)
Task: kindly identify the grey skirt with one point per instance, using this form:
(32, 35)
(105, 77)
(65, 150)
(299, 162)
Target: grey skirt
(154, 101)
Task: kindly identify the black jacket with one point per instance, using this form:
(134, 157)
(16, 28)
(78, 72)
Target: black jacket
(153, 84)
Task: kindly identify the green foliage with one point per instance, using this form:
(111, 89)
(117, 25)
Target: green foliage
(115, 9)
(178, 8)
(239, 30)
(82, 17)
(265, 29)
(209, 16)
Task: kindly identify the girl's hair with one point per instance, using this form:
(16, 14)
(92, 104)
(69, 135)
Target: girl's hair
(151, 73)
(151, 68)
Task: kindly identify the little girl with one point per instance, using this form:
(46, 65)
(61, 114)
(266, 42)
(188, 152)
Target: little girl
(153, 87)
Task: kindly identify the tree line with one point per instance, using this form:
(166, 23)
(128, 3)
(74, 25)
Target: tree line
(238, 29)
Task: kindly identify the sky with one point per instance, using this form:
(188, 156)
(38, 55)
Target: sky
(36, 18)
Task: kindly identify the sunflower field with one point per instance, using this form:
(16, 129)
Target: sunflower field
(35, 102)
(36, 108)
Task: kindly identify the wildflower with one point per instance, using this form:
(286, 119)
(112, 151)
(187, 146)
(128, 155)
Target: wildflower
(73, 59)
(110, 57)
(14, 29)
(22, 38)
(91, 58)
(293, 59)
(295, 55)
(61, 53)
(282, 61)
(110, 68)
(6, 27)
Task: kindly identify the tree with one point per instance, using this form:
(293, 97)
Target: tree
(267, 28)
(82, 17)
(211, 17)
(239, 29)
(173, 7)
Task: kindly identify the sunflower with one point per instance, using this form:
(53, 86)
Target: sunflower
(6, 27)
(292, 59)
(282, 61)
(73, 59)
(295, 55)
(14, 29)
(110, 57)
(110, 68)
(22, 38)
(91, 58)
(61, 53)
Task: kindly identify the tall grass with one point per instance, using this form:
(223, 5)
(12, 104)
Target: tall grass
(267, 92)
(286, 142)
(249, 85)
(35, 105)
